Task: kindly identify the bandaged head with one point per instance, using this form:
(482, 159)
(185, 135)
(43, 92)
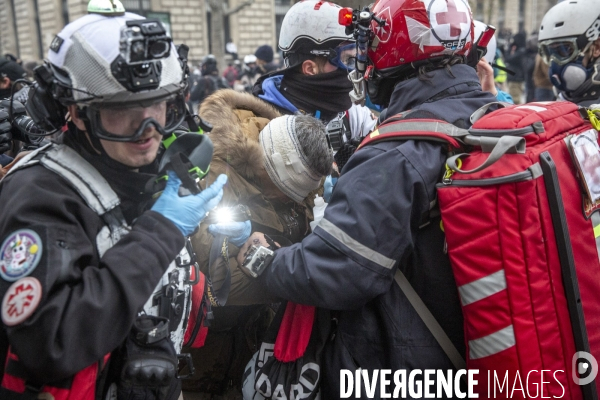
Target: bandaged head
(293, 169)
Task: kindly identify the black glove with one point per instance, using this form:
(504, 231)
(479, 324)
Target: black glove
(149, 369)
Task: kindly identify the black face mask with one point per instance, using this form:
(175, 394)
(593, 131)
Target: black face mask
(327, 93)
(5, 93)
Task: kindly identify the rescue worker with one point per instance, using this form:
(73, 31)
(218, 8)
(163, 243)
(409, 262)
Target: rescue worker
(381, 217)
(569, 42)
(82, 245)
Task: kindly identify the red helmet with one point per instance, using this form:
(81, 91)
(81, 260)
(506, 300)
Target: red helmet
(418, 30)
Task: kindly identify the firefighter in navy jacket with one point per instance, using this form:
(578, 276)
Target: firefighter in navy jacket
(381, 216)
(82, 251)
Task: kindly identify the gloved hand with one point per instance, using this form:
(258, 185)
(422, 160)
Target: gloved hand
(328, 187)
(238, 232)
(187, 212)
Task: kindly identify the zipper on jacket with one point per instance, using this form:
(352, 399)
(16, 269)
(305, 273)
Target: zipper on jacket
(533, 172)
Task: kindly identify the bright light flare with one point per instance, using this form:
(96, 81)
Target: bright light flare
(223, 215)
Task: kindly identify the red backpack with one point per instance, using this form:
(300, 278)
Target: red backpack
(523, 237)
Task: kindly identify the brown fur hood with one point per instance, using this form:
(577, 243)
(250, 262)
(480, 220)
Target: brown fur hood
(237, 119)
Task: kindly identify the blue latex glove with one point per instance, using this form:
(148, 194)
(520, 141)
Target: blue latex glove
(238, 232)
(187, 212)
(328, 187)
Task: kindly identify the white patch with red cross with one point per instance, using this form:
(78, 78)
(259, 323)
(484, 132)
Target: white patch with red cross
(20, 300)
(450, 25)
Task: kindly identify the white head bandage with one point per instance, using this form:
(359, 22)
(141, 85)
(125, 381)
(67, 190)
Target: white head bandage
(285, 162)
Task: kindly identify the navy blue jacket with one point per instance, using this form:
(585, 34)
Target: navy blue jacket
(378, 220)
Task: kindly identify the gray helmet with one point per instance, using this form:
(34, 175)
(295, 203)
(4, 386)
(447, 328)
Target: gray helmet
(116, 59)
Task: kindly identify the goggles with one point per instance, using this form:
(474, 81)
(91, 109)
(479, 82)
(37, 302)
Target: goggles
(343, 56)
(561, 51)
(127, 123)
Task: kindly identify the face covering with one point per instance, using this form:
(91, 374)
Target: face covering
(569, 77)
(4, 93)
(325, 92)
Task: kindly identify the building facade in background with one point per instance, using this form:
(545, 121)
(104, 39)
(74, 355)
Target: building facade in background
(28, 26)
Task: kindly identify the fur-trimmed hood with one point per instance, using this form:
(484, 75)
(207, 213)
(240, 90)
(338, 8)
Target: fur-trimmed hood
(238, 119)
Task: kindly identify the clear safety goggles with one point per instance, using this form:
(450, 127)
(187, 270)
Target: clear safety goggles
(561, 51)
(128, 122)
(343, 56)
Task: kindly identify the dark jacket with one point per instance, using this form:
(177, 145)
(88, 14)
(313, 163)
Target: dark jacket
(89, 303)
(378, 220)
(516, 62)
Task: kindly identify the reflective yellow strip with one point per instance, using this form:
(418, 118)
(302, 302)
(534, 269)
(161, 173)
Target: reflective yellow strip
(374, 133)
(596, 224)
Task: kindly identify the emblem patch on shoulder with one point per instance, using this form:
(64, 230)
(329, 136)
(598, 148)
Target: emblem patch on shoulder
(20, 253)
(20, 300)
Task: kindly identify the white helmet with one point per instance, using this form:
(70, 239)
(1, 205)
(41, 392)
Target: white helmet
(311, 25)
(567, 29)
(89, 49)
(112, 62)
(490, 55)
(249, 59)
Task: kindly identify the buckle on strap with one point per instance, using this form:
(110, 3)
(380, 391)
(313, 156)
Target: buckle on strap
(149, 329)
(185, 360)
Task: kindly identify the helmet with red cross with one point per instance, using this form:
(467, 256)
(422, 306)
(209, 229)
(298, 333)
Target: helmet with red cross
(417, 32)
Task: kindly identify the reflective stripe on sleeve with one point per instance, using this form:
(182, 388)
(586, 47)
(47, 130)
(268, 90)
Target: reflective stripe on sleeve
(482, 288)
(492, 344)
(355, 246)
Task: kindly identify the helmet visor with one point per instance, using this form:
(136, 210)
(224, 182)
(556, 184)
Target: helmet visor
(126, 123)
(560, 51)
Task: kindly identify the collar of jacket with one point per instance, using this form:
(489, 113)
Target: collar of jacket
(413, 92)
(237, 120)
(272, 94)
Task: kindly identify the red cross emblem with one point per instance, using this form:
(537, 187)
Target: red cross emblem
(452, 17)
(20, 300)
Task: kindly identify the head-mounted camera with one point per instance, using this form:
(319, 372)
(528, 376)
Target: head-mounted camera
(144, 40)
(143, 43)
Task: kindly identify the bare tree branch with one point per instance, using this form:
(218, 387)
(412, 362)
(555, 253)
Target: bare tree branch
(237, 8)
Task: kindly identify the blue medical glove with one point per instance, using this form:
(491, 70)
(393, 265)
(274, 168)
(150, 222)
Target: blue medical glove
(328, 187)
(238, 232)
(187, 212)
